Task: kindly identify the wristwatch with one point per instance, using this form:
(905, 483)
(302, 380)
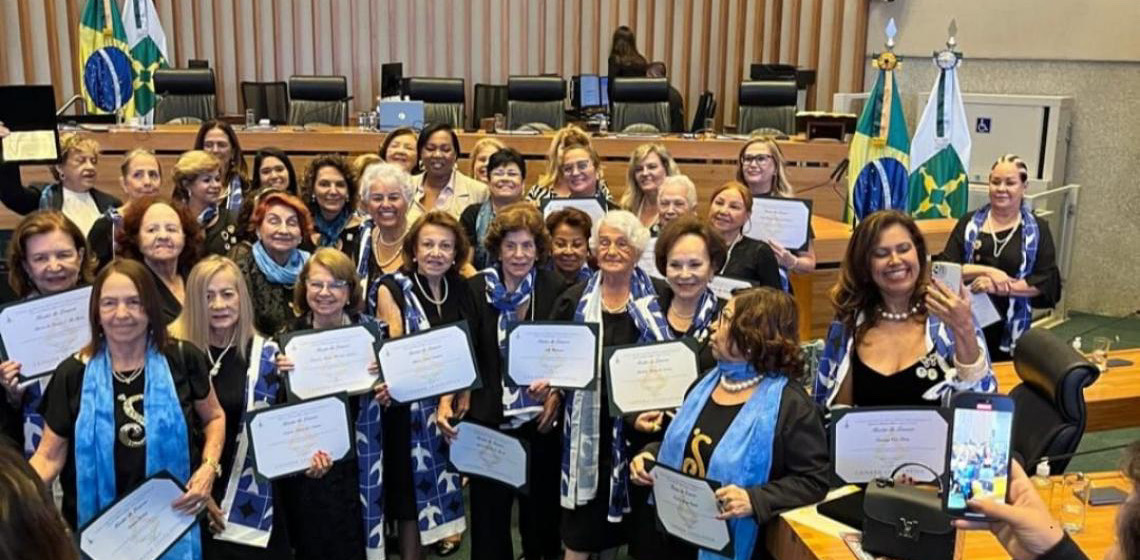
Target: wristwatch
(213, 464)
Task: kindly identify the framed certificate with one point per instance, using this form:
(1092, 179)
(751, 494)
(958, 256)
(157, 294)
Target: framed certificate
(786, 221)
(330, 361)
(488, 453)
(42, 332)
(29, 113)
(561, 352)
(591, 206)
(868, 443)
(140, 524)
(687, 508)
(429, 363)
(283, 438)
(652, 376)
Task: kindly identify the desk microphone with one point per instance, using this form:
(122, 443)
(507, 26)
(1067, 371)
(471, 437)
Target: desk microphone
(1086, 452)
(304, 127)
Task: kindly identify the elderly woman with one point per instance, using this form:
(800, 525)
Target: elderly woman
(1007, 252)
(748, 424)
(481, 155)
(219, 138)
(48, 255)
(74, 191)
(399, 148)
(570, 244)
(198, 187)
(649, 165)
(748, 259)
(441, 186)
(506, 169)
(622, 300)
(272, 263)
(904, 339)
(552, 184)
(336, 510)
(162, 235)
(131, 403)
(688, 253)
(244, 376)
(376, 244)
(331, 192)
(140, 175)
(514, 289)
(427, 291)
(676, 197)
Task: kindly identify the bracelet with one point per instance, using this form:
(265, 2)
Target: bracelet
(214, 466)
(974, 370)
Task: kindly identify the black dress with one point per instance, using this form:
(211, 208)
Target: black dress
(905, 388)
(101, 241)
(60, 408)
(168, 302)
(491, 502)
(272, 303)
(1045, 276)
(754, 261)
(230, 386)
(220, 236)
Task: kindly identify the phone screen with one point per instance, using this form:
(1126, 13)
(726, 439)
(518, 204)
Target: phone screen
(979, 451)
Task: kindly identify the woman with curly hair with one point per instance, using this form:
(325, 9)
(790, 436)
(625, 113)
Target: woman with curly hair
(165, 237)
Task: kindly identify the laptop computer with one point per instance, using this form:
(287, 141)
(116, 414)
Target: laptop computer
(394, 114)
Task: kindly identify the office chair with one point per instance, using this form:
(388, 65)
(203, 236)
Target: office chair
(706, 109)
(318, 99)
(489, 100)
(444, 99)
(1050, 402)
(536, 99)
(269, 100)
(184, 92)
(768, 104)
(640, 101)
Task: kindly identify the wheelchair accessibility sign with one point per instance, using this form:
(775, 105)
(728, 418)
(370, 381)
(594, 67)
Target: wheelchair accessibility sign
(982, 126)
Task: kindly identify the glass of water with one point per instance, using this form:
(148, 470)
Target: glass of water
(1074, 501)
(362, 121)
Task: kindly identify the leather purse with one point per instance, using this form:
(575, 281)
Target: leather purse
(906, 522)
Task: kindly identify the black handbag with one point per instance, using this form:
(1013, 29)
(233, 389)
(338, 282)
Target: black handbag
(906, 522)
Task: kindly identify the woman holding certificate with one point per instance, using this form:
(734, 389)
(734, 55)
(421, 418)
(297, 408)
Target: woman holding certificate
(898, 338)
(376, 245)
(219, 320)
(622, 300)
(687, 253)
(198, 186)
(128, 405)
(730, 211)
(271, 264)
(514, 290)
(140, 175)
(163, 236)
(48, 255)
(747, 424)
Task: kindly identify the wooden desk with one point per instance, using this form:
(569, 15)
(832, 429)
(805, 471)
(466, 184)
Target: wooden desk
(789, 540)
(1113, 401)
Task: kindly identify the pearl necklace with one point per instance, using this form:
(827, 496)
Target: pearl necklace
(616, 309)
(901, 316)
(999, 245)
(738, 386)
(429, 294)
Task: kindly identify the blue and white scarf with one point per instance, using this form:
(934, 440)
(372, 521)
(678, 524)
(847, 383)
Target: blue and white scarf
(279, 274)
(1017, 317)
(439, 496)
(116, 218)
(835, 362)
(743, 456)
(518, 406)
(364, 251)
(33, 420)
(233, 197)
(370, 463)
(207, 216)
(585, 413)
(46, 194)
(330, 230)
(167, 446)
(482, 222)
(785, 281)
(704, 316)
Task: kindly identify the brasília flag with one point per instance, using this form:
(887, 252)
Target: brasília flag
(940, 154)
(147, 44)
(877, 172)
(107, 77)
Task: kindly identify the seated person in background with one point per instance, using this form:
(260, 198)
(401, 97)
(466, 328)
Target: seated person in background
(678, 197)
(1007, 252)
(905, 340)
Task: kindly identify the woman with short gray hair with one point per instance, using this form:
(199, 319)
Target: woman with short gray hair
(676, 197)
(386, 192)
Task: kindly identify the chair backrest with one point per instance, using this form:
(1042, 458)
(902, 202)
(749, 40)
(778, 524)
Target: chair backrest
(706, 109)
(318, 99)
(269, 100)
(767, 104)
(444, 99)
(184, 92)
(489, 100)
(1050, 402)
(536, 99)
(640, 100)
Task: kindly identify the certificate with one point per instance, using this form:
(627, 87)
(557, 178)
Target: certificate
(29, 113)
(330, 361)
(653, 376)
(869, 443)
(488, 453)
(985, 314)
(284, 438)
(140, 525)
(724, 286)
(687, 507)
(562, 353)
(648, 261)
(590, 206)
(783, 220)
(429, 363)
(42, 332)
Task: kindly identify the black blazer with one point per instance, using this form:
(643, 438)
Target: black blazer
(24, 200)
(487, 401)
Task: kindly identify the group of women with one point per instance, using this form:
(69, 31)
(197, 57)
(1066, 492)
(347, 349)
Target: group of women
(190, 291)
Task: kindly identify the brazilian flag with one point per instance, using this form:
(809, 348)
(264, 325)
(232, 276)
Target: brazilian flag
(940, 155)
(103, 55)
(878, 155)
(147, 42)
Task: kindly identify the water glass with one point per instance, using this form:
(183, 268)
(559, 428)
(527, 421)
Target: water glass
(1101, 347)
(1074, 502)
(250, 119)
(362, 121)
(500, 122)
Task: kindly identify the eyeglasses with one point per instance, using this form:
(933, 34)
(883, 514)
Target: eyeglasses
(583, 166)
(754, 159)
(319, 286)
(509, 173)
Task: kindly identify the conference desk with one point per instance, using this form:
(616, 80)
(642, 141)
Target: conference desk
(791, 540)
(1113, 401)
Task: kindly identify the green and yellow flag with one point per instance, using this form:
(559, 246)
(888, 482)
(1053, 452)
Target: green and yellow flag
(147, 42)
(107, 75)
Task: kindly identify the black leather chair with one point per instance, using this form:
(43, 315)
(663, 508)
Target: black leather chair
(767, 104)
(269, 100)
(444, 99)
(638, 101)
(536, 99)
(1050, 402)
(319, 99)
(489, 101)
(186, 94)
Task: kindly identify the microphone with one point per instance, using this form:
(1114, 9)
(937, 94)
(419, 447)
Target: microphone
(304, 126)
(1080, 453)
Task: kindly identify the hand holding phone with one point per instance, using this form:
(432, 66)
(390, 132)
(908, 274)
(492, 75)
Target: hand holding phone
(979, 455)
(948, 273)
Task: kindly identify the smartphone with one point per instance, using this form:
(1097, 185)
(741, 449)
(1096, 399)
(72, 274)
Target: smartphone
(979, 452)
(948, 273)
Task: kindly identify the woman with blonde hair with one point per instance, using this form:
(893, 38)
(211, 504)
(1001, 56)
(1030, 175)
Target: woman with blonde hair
(552, 182)
(649, 165)
(481, 154)
(140, 174)
(197, 181)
